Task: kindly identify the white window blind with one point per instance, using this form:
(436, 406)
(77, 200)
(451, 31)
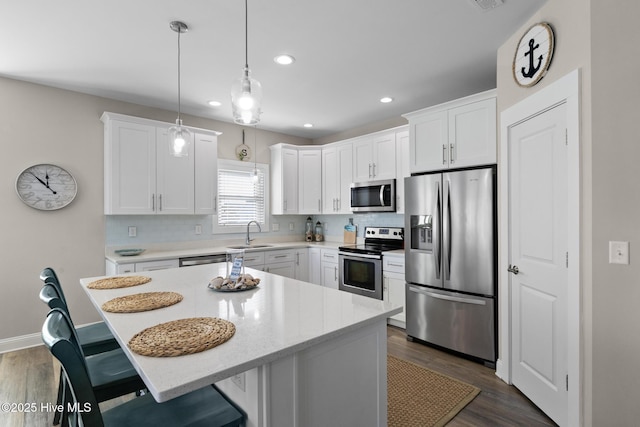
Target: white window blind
(241, 198)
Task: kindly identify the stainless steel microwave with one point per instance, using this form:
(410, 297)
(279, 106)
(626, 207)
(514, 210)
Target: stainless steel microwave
(374, 196)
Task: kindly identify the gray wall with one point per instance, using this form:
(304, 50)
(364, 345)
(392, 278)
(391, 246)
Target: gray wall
(40, 124)
(601, 40)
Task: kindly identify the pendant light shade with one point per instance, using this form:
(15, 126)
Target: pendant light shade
(246, 92)
(179, 136)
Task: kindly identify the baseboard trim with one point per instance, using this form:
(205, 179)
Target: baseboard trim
(25, 341)
(19, 343)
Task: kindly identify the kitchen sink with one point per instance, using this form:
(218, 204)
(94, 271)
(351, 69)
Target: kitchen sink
(249, 246)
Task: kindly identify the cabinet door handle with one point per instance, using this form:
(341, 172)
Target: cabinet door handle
(444, 154)
(215, 204)
(335, 273)
(280, 256)
(451, 158)
(153, 202)
(369, 170)
(285, 205)
(395, 265)
(374, 170)
(297, 258)
(160, 202)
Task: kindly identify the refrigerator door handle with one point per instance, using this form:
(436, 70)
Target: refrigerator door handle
(447, 215)
(448, 297)
(437, 223)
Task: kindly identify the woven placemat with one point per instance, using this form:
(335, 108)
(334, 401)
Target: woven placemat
(118, 282)
(141, 302)
(180, 337)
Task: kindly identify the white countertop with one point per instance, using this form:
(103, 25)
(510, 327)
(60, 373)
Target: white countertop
(167, 252)
(278, 318)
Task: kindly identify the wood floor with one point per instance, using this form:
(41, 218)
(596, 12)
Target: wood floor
(498, 404)
(31, 376)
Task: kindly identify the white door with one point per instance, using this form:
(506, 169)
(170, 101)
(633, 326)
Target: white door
(538, 245)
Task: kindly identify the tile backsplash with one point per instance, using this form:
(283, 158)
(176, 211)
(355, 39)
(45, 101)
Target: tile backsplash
(182, 228)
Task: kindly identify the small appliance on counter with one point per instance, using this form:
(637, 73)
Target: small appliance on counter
(308, 231)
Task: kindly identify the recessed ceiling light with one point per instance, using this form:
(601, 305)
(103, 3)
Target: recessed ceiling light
(308, 125)
(386, 99)
(214, 103)
(284, 59)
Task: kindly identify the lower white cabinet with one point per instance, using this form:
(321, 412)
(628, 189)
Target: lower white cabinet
(286, 269)
(301, 265)
(394, 286)
(112, 268)
(329, 268)
(315, 275)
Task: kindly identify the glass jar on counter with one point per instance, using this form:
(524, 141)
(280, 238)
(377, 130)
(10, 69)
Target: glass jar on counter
(308, 233)
(319, 234)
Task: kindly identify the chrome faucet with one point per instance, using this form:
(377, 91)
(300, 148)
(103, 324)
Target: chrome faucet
(248, 240)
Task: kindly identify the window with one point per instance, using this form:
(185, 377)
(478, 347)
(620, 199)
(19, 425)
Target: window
(241, 197)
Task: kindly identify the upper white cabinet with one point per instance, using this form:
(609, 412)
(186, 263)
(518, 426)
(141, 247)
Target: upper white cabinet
(206, 174)
(296, 179)
(374, 157)
(457, 134)
(142, 177)
(309, 180)
(284, 179)
(402, 165)
(337, 168)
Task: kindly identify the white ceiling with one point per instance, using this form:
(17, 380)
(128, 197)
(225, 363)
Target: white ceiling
(349, 53)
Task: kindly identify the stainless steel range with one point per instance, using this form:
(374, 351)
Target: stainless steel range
(361, 264)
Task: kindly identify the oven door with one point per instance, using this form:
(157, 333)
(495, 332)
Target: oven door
(361, 274)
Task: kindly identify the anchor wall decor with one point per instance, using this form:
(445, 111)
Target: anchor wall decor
(533, 55)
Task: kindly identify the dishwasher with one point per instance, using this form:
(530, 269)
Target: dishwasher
(200, 260)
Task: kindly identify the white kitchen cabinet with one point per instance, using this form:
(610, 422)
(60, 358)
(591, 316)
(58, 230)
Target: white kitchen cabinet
(315, 266)
(301, 265)
(402, 165)
(309, 180)
(456, 134)
(394, 286)
(337, 176)
(254, 259)
(141, 177)
(121, 268)
(284, 179)
(329, 268)
(206, 174)
(374, 157)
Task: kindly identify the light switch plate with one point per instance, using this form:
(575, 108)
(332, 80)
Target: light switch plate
(133, 231)
(618, 252)
(198, 229)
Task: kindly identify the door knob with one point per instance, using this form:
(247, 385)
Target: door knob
(513, 269)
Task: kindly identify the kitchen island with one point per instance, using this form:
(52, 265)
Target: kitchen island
(301, 355)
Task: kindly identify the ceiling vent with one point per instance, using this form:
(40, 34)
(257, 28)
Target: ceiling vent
(486, 5)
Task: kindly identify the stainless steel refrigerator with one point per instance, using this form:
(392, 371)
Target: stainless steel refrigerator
(450, 267)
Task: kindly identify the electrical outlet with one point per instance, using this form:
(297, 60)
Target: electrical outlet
(198, 229)
(133, 231)
(275, 227)
(292, 226)
(238, 380)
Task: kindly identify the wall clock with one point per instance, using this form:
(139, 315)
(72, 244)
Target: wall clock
(533, 55)
(46, 187)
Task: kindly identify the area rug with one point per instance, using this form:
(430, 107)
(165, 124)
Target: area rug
(420, 397)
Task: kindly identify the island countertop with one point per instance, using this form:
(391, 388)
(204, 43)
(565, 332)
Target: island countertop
(280, 317)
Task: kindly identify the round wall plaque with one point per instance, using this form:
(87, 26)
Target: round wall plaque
(533, 55)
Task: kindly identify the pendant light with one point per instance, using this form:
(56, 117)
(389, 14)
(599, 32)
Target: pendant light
(246, 92)
(179, 136)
